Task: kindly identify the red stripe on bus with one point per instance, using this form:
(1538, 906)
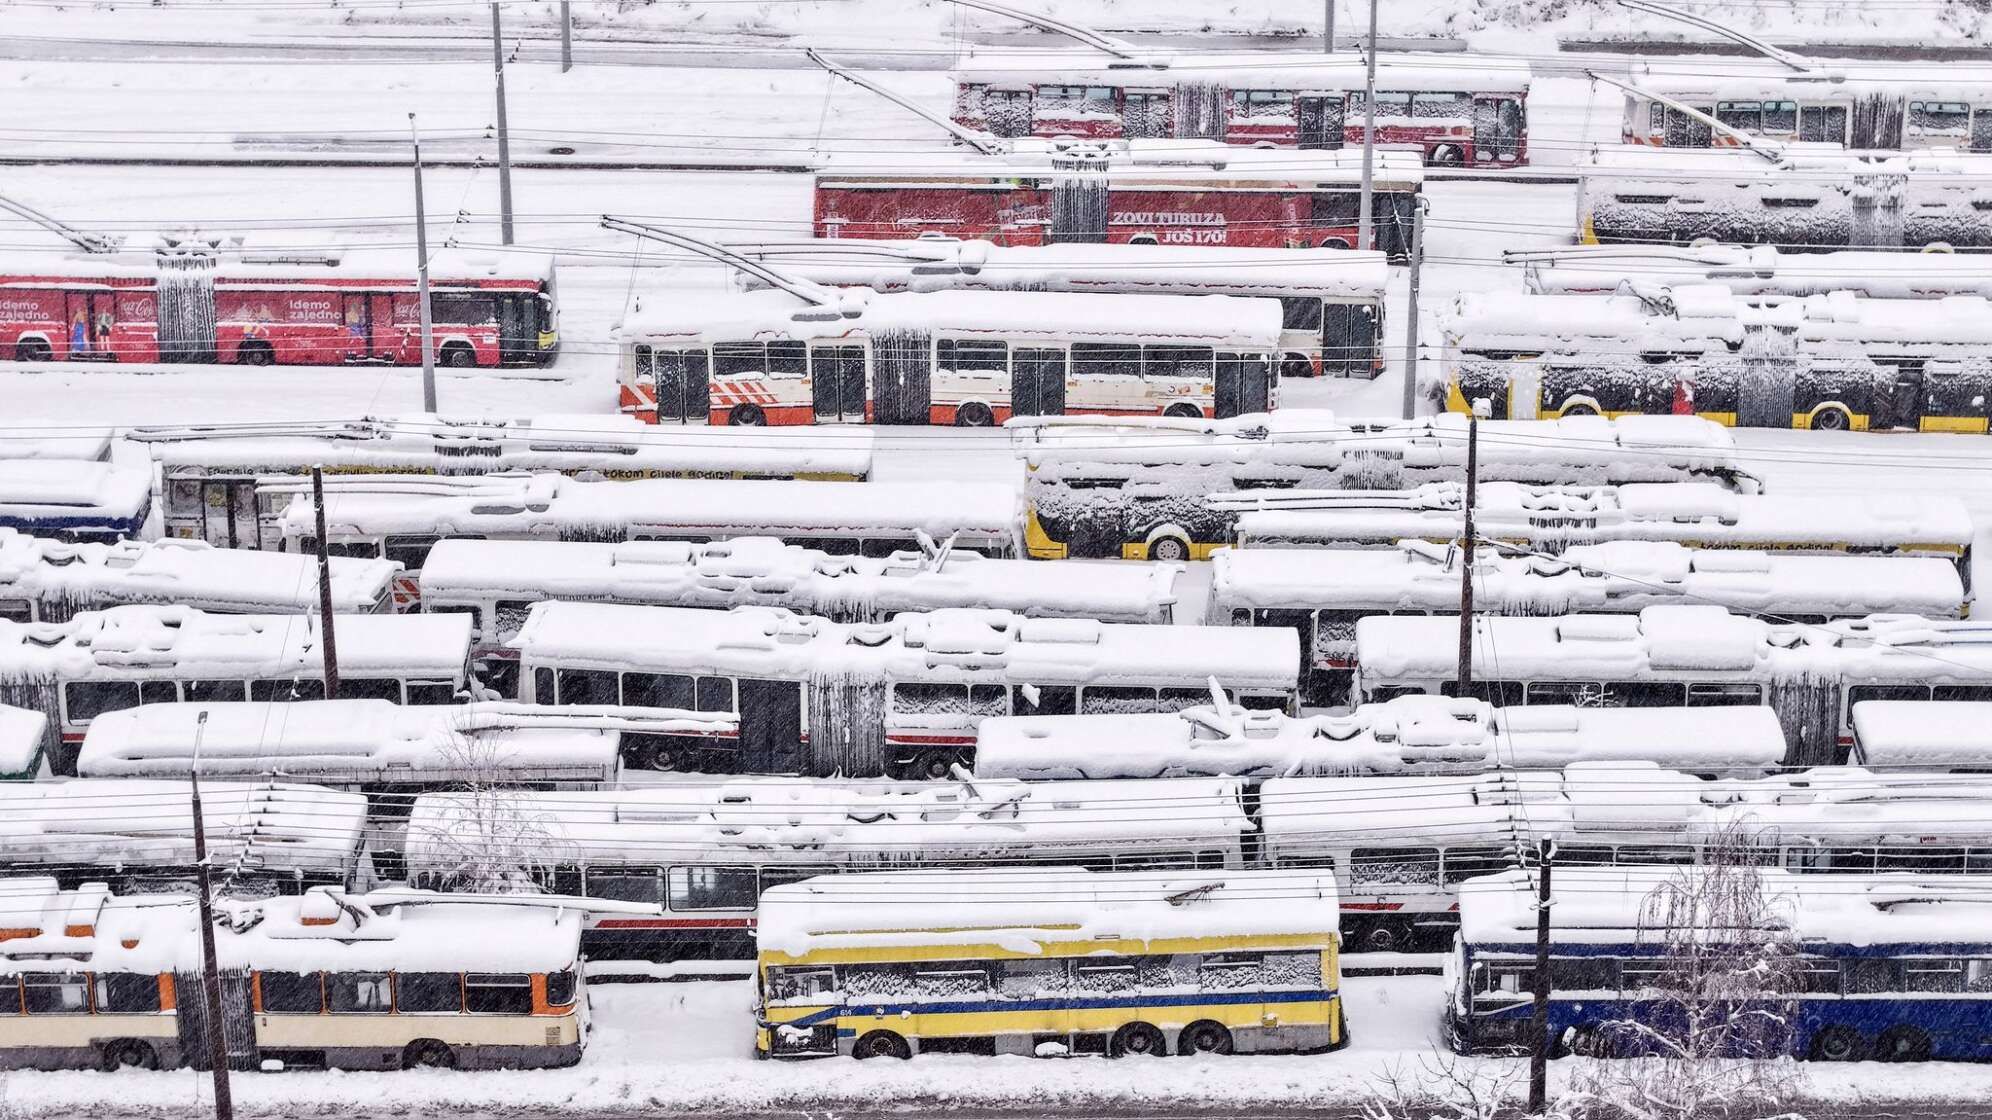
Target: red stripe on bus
(675, 923)
(948, 739)
(1372, 906)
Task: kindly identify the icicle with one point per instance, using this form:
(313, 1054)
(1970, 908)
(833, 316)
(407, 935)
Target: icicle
(186, 310)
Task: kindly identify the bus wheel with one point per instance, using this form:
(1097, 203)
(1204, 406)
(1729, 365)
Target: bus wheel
(934, 766)
(1902, 1044)
(255, 354)
(1184, 411)
(1136, 1038)
(458, 356)
(1579, 409)
(881, 1044)
(974, 415)
(653, 756)
(428, 1054)
(32, 350)
(1204, 1037)
(1384, 938)
(1169, 550)
(1334, 243)
(1447, 155)
(1831, 420)
(129, 1055)
(746, 416)
(1838, 1044)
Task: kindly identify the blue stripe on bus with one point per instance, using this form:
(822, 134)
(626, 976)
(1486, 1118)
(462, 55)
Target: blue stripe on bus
(974, 1007)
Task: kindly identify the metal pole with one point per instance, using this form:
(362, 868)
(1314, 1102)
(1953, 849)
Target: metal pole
(422, 282)
(566, 36)
(224, 1100)
(1328, 33)
(325, 587)
(504, 135)
(1539, 1019)
(1466, 570)
(1365, 226)
(1411, 310)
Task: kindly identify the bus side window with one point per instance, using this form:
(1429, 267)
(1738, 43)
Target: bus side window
(428, 991)
(431, 692)
(215, 691)
(1046, 700)
(410, 552)
(1116, 699)
(120, 992)
(712, 888)
(543, 686)
(295, 688)
(627, 884)
(715, 694)
(370, 688)
(498, 993)
(83, 701)
(1393, 867)
(1861, 692)
(588, 686)
(158, 692)
(55, 993)
(17, 610)
(359, 993)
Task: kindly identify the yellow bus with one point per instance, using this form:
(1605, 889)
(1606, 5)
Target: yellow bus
(1049, 961)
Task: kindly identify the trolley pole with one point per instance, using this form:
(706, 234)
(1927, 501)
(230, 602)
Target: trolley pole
(1539, 1018)
(1466, 569)
(422, 283)
(1365, 228)
(504, 133)
(217, 1047)
(1411, 313)
(566, 36)
(324, 588)
(1328, 33)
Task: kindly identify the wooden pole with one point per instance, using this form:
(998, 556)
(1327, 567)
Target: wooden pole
(217, 1046)
(325, 587)
(1465, 683)
(1539, 1019)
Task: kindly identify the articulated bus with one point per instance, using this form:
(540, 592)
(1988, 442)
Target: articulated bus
(1800, 201)
(1752, 270)
(1892, 968)
(1456, 112)
(1331, 300)
(1810, 674)
(323, 980)
(1890, 106)
(1052, 961)
(967, 358)
(1828, 362)
(339, 307)
(210, 475)
(1144, 489)
(1322, 594)
(902, 697)
(1142, 192)
(125, 657)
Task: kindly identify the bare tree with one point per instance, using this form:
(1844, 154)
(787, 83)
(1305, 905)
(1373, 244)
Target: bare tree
(485, 838)
(1445, 1086)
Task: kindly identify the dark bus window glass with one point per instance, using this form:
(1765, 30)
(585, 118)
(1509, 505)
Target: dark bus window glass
(300, 993)
(1116, 700)
(1105, 359)
(428, 991)
(284, 691)
(362, 993)
(788, 359)
(1046, 700)
(122, 992)
(56, 993)
(1179, 361)
(410, 552)
(657, 690)
(498, 993)
(214, 691)
(715, 694)
(431, 692)
(627, 884)
(462, 309)
(712, 888)
(370, 688)
(739, 359)
(588, 686)
(86, 700)
(560, 988)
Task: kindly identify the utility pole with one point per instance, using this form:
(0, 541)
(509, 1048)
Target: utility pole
(1411, 311)
(1365, 227)
(504, 134)
(224, 1100)
(324, 588)
(1539, 1019)
(1466, 570)
(422, 284)
(1328, 34)
(566, 36)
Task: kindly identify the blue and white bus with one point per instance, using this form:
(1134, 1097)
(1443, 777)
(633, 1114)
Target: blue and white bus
(1887, 967)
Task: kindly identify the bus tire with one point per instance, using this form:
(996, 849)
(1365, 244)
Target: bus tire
(1334, 243)
(1184, 411)
(747, 416)
(1902, 1044)
(1385, 937)
(458, 355)
(932, 766)
(32, 350)
(1169, 550)
(1204, 1037)
(881, 1044)
(255, 353)
(1838, 1044)
(653, 756)
(1447, 155)
(974, 414)
(1579, 408)
(128, 1054)
(428, 1053)
(1137, 1039)
(1831, 418)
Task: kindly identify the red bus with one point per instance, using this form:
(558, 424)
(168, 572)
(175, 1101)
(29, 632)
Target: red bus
(1125, 192)
(332, 309)
(1457, 112)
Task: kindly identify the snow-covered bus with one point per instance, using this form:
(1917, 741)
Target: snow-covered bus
(1455, 111)
(1874, 107)
(1322, 594)
(901, 697)
(1810, 674)
(74, 499)
(1406, 735)
(46, 581)
(1141, 489)
(209, 474)
(125, 657)
(966, 358)
(402, 518)
(1157, 192)
(706, 852)
(138, 836)
(1826, 362)
(1331, 300)
(1752, 270)
(1555, 518)
(326, 980)
(1806, 200)
(1918, 733)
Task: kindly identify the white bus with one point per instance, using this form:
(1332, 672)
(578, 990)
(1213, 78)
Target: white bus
(1406, 735)
(209, 474)
(1323, 593)
(706, 852)
(125, 657)
(901, 697)
(46, 581)
(1922, 734)
(967, 358)
(1869, 106)
(1139, 489)
(1694, 655)
(1751, 270)
(1331, 300)
(138, 836)
(74, 499)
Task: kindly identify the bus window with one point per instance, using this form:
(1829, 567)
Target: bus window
(1393, 867)
(588, 686)
(1747, 116)
(1116, 700)
(1868, 976)
(1863, 692)
(1948, 118)
(561, 988)
(1046, 700)
(949, 699)
(1500, 694)
(126, 993)
(370, 688)
(951, 978)
(410, 552)
(1462, 864)
(715, 694)
(971, 356)
(158, 692)
(55, 993)
(498, 993)
(83, 701)
(1075, 99)
(511, 615)
(1119, 974)
(1646, 694)
(17, 610)
(1584, 694)
(788, 359)
(1179, 361)
(428, 991)
(1978, 976)
(1230, 970)
(627, 884)
(1105, 359)
(712, 888)
(294, 688)
(476, 614)
(1177, 699)
(878, 548)
(1028, 976)
(800, 982)
(1913, 858)
(1819, 977)
(1261, 103)
(1334, 209)
(1430, 107)
(431, 692)
(1300, 313)
(297, 992)
(1703, 694)
(658, 690)
(1977, 692)
(462, 310)
(1821, 124)
(359, 993)
(1584, 974)
(1781, 116)
(543, 692)
(739, 359)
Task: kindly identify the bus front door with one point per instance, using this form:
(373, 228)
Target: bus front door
(837, 384)
(1350, 338)
(684, 386)
(1497, 130)
(518, 329)
(1244, 384)
(1037, 383)
(1321, 122)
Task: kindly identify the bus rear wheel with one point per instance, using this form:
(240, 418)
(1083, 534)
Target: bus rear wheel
(428, 1054)
(1204, 1037)
(973, 415)
(1169, 550)
(1447, 155)
(458, 356)
(129, 1055)
(255, 354)
(1831, 420)
(746, 416)
(881, 1044)
(933, 766)
(32, 350)
(1838, 1044)
(1184, 412)
(1137, 1038)
(1902, 1044)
